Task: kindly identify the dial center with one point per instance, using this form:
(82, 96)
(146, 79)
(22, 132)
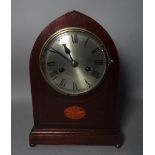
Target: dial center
(75, 63)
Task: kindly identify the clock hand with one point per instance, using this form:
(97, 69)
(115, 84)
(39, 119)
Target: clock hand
(67, 51)
(55, 51)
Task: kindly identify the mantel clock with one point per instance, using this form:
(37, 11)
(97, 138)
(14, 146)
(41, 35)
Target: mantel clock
(74, 83)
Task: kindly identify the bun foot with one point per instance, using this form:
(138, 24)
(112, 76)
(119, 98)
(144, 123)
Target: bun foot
(118, 146)
(32, 145)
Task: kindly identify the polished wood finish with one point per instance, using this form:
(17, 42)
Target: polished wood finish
(100, 125)
(76, 136)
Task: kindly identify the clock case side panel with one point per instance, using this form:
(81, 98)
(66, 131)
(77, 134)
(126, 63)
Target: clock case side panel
(40, 89)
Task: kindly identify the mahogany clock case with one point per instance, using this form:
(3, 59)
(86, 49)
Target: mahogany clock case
(100, 126)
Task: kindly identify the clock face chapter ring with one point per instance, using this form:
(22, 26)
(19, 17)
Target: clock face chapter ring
(73, 61)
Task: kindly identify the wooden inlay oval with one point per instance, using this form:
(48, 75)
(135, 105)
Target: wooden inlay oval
(75, 112)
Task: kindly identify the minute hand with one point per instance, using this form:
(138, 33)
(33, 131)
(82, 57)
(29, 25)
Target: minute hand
(55, 51)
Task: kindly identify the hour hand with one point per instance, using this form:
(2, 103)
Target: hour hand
(67, 51)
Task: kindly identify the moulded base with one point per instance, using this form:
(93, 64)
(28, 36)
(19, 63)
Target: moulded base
(50, 136)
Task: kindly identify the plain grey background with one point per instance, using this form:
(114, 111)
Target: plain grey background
(123, 20)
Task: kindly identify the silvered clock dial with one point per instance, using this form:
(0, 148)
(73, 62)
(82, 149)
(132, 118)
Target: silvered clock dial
(73, 61)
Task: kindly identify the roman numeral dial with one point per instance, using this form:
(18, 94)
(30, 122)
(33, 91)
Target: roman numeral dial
(62, 83)
(87, 83)
(95, 50)
(74, 38)
(51, 63)
(75, 87)
(53, 73)
(86, 42)
(95, 74)
(73, 61)
(98, 62)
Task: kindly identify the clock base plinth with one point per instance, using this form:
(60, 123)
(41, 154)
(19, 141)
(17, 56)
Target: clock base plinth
(48, 136)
